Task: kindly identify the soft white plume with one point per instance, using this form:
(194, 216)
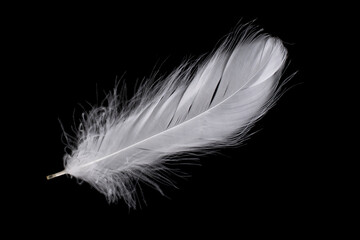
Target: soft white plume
(199, 106)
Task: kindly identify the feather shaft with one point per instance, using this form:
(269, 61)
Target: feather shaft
(58, 174)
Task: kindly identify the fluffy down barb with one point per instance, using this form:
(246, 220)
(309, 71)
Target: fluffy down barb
(201, 105)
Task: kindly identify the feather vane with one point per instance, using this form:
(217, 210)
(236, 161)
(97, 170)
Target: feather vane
(201, 105)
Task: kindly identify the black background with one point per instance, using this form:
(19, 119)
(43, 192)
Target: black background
(64, 56)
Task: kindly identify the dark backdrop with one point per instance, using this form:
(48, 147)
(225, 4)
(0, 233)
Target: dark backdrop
(65, 55)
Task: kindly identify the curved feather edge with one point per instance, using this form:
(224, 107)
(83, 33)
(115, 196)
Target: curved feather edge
(201, 106)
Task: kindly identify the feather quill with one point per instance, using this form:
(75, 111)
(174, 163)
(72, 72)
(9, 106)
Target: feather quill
(200, 106)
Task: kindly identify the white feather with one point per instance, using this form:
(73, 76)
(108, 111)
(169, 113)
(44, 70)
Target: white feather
(198, 106)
